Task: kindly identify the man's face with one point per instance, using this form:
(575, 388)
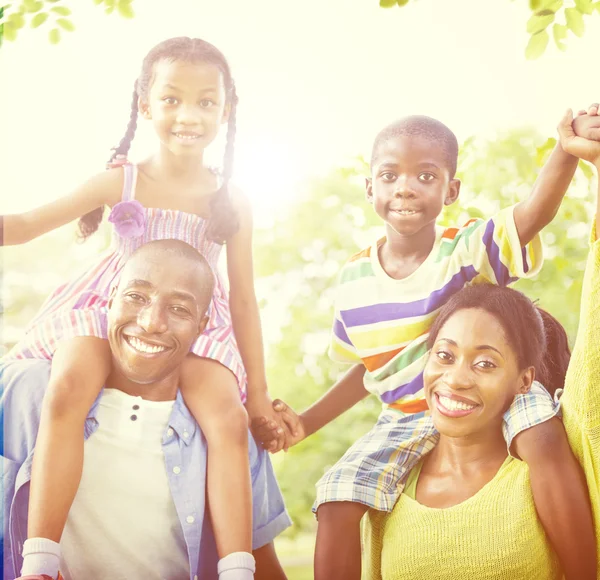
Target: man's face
(155, 314)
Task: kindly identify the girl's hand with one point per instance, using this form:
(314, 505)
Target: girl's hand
(266, 431)
(262, 415)
(581, 137)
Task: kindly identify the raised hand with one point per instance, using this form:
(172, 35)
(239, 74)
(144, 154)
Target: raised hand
(581, 137)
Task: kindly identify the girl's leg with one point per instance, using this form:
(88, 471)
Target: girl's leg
(79, 369)
(211, 392)
(337, 552)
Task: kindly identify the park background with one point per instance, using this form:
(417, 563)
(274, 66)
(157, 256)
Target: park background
(317, 79)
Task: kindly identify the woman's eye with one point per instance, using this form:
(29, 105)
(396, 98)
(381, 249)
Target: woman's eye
(426, 177)
(443, 355)
(486, 364)
(205, 103)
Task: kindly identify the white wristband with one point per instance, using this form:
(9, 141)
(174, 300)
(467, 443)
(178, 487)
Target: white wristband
(236, 566)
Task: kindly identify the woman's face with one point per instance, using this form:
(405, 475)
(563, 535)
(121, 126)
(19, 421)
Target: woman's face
(472, 374)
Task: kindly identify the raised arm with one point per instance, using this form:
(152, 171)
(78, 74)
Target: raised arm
(102, 189)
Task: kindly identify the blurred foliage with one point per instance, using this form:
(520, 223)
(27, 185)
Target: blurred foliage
(564, 15)
(297, 261)
(15, 16)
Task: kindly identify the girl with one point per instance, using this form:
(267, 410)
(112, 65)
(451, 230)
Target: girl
(186, 90)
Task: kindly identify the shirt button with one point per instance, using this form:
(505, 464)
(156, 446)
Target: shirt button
(190, 519)
(135, 407)
(170, 432)
(186, 434)
(177, 470)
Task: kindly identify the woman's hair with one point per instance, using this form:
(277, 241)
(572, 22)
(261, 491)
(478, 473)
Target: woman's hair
(223, 221)
(537, 338)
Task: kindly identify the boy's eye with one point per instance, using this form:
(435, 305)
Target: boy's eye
(388, 176)
(205, 103)
(426, 176)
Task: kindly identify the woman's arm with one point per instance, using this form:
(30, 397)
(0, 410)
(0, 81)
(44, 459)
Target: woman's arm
(102, 189)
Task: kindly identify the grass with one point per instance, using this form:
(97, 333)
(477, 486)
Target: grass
(299, 572)
(296, 556)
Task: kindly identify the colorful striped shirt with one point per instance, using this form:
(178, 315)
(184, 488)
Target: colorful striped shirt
(383, 323)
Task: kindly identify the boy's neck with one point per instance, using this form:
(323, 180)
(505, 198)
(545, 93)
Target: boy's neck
(404, 252)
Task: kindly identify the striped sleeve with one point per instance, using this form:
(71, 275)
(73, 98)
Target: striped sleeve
(493, 248)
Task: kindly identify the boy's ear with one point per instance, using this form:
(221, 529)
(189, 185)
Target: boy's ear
(369, 189)
(526, 380)
(144, 109)
(453, 191)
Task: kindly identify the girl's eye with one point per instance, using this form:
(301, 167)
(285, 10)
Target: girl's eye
(206, 103)
(135, 297)
(444, 355)
(170, 100)
(426, 177)
(486, 364)
(388, 176)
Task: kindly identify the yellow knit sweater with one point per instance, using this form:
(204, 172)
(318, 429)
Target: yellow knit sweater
(496, 533)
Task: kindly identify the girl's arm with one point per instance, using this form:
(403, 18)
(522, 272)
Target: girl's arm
(245, 315)
(102, 189)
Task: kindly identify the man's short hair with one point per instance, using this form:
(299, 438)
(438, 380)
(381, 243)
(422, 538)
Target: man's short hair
(421, 126)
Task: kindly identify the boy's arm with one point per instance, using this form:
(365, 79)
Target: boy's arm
(561, 497)
(348, 391)
(540, 208)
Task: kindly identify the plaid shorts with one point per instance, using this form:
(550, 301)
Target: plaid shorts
(374, 469)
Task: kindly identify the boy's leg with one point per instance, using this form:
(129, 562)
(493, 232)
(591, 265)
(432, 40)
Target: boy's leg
(211, 392)
(371, 474)
(537, 436)
(79, 369)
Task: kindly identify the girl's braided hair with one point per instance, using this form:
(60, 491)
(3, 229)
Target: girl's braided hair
(223, 221)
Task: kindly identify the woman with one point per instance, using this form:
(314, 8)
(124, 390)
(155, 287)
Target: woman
(467, 510)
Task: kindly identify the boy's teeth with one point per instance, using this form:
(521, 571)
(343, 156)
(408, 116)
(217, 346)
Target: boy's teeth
(144, 346)
(453, 405)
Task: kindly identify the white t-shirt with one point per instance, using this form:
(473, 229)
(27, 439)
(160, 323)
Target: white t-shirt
(123, 523)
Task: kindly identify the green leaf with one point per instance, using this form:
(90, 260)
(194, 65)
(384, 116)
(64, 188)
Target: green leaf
(586, 169)
(109, 9)
(402, 2)
(16, 20)
(538, 23)
(559, 31)
(66, 24)
(552, 5)
(9, 32)
(534, 4)
(597, 6)
(110, 3)
(96, 2)
(54, 36)
(575, 21)
(387, 3)
(125, 10)
(537, 45)
(32, 6)
(62, 10)
(584, 6)
(39, 19)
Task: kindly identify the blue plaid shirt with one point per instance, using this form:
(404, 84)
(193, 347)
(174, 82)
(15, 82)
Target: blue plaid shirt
(23, 383)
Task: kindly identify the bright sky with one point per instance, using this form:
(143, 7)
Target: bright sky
(317, 79)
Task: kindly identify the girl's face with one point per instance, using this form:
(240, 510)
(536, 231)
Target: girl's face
(187, 105)
(472, 374)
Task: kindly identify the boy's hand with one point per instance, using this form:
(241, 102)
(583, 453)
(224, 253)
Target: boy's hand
(265, 430)
(261, 412)
(574, 143)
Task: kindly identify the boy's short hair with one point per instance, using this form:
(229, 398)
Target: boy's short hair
(422, 126)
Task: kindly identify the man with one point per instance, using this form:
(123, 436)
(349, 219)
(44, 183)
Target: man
(140, 508)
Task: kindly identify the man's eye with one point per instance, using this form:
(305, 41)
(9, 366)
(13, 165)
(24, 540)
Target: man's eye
(426, 176)
(180, 310)
(134, 296)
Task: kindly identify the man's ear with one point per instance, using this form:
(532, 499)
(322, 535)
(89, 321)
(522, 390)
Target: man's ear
(453, 192)
(111, 297)
(202, 324)
(526, 380)
(369, 189)
(144, 109)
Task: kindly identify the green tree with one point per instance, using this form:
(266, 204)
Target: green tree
(298, 260)
(562, 16)
(55, 14)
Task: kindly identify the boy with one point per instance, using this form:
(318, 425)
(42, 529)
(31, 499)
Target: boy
(388, 296)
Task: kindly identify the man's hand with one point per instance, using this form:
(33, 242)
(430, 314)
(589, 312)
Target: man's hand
(581, 136)
(261, 412)
(266, 431)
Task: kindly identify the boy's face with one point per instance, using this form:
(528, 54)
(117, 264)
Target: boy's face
(410, 184)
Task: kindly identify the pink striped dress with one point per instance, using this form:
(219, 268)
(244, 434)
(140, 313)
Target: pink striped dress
(78, 308)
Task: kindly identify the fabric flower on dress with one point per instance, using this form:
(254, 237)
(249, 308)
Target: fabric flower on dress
(129, 218)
